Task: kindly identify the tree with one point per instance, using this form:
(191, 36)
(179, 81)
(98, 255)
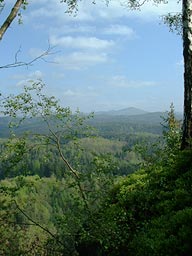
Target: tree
(84, 189)
(13, 13)
(187, 54)
(183, 21)
(172, 20)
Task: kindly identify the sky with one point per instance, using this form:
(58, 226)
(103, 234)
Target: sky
(103, 57)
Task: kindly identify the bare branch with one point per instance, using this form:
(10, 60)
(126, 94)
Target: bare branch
(17, 53)
(17, 63)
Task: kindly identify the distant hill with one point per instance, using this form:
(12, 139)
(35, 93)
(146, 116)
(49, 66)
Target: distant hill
(131, 111)
(119, 126)
(109, 123)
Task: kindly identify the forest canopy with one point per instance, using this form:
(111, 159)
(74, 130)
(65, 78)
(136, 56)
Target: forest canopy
(82, 184)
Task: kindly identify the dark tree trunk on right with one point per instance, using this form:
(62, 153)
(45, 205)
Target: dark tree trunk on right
(187, 54)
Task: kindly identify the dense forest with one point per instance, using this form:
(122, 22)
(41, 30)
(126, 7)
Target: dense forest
(70, 185)
(103, 184)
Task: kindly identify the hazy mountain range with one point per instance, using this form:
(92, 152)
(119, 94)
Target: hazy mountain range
(123, 112)
(128, 117)
(131, 111)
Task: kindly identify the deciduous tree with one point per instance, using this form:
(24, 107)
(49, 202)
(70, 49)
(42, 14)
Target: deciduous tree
(173, 20)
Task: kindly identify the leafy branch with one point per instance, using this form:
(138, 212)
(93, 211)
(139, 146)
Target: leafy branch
(61, 126)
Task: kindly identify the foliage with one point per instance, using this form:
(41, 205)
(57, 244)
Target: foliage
(174, 22)
(148, 212)
(49, 214)
(65, 214)
(44, 201)
(50, 221)
(145, 213)
(60, 124)
(59, 145)
(172, 133)
(163, 150)
(88, 209)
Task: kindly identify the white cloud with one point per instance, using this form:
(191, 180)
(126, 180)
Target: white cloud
(78, 98)
(77, 93)
(89, 12)
(80, 60)
(23, 83)
(36, 75)
(149, 10)
(81, 42)
(161, 9)
(26, 79)
(73, 29)
(56, 10)
(114, 29)
(123, 82)
(81, 96)
(70, 93)
(119, 30)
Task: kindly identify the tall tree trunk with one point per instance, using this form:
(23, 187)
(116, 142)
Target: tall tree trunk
(10, 17)
(187, 54)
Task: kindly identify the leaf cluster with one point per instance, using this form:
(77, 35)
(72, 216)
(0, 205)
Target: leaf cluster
(148, 212)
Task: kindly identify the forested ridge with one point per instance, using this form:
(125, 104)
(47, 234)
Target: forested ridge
(82, 191)
(109, 184)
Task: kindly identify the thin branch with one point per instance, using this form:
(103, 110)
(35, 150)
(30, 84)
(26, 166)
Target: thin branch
(16, 223)
(17, 53)
(75, 173)
(29, 63)
(24, 224)
(134, 5)
(140, 4)
(37, 224)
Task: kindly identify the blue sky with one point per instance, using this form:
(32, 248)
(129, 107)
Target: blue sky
(105, 57)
